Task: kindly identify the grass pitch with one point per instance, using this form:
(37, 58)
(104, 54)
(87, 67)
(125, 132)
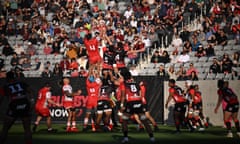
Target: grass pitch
(212, 135)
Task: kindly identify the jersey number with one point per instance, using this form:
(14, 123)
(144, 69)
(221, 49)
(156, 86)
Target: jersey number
(92, 47)
(16, 88)
(133, 88)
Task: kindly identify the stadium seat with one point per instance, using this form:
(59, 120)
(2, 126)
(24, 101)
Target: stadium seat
(231, 42)
(207, 64)
(203, 59)
(228, 76)
(227, 47)
(210, 76)
(219, 76)
(193, 59)
(218, 48)
(236, 47)
(201, 76)
(198, 65)
(201, 70)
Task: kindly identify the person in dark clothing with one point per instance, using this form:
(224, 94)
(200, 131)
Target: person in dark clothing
(7, 50)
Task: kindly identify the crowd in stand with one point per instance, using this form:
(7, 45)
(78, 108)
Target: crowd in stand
(170, 31)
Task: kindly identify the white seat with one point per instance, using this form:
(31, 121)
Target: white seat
(207, 64)
(219, 76)
(201, 76)
(236, 47)
(227, 47)
(202, 59)
(198, 64)
(193, 59)
(211, 76)
(228, 76)
(218, 47)
(231, 42)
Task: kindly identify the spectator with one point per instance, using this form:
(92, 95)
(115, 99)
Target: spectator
(2, 73)
(221, 38)
(47, 50)
(56, 47)
(75, 73)
(31, 50)
(191, 69)
(215, 67)
(210, 50)
(83, 72)
(195, 43)
(14, 60)
(162, 73)
(7, 50)
(18, 49)
(236, 31)
(46, 73)
(18, 73)
(48, 65)
(177, 43)
(1, 63)
(183, 58)
(72, 52)
(57, 71)
(193, 76)
(187, 46)
(38, 64)
(200, 52)
(156, 57)
(3, 40)
(226, 64)
(26, 64)
(73, 65)
(171, 73)
(65, 64)
(165, 58)
(82, 57)
(181, 73)
(236, 59)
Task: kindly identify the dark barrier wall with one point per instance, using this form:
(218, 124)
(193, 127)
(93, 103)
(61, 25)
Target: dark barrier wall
(154, 96)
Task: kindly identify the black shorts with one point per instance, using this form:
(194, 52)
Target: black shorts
(145, 107)
(134, 107)
(197, 106)
(19, 108)
(232, 108)
(180, 107)
(103, 105)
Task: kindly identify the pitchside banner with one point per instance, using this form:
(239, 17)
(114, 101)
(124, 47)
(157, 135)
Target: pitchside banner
(154, 96)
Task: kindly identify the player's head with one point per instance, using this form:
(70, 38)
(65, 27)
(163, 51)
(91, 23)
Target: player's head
(171, 82)
(220, 83)
(126, 74)
(196, 87)
(188, 83)
(88, 36)
(66, 81)
(226, 84)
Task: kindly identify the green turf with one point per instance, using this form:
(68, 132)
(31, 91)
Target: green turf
(212, 135)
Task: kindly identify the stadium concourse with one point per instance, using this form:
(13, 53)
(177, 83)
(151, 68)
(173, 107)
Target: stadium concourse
(37, 35)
